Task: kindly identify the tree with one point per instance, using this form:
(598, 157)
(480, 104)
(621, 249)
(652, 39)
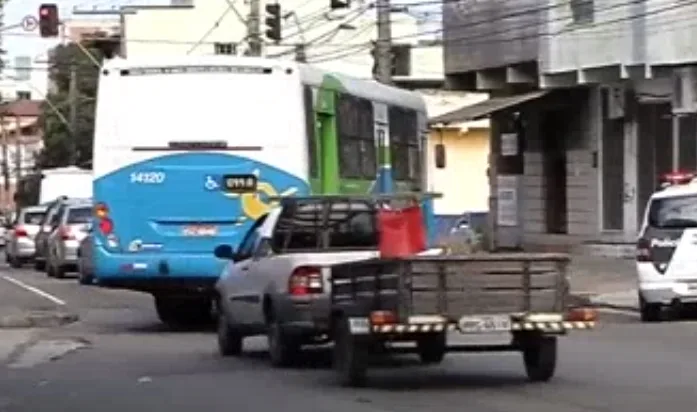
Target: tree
(57, 135)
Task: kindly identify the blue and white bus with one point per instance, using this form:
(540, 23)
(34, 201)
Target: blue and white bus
(187, 149)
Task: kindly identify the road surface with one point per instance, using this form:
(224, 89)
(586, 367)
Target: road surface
(122, 359)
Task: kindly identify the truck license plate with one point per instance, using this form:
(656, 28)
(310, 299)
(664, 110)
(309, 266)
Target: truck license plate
(484, 324)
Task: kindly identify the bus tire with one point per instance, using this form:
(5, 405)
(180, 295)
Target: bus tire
(540, 358)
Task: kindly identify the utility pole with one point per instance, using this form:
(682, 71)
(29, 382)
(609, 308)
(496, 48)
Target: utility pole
(72, 119)
(254, 28)
(18, 149)
(383, 52)
(5, 163)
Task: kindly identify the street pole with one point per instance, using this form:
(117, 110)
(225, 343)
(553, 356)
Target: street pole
(18, 150)
(5, 164)
(72, 99)
(254, 28)
(383, 52)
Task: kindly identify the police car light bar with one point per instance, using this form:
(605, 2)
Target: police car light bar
(676, 178)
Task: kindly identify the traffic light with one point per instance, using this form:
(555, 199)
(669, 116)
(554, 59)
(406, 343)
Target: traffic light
(339, 4)
(273, 22)
(48, 20)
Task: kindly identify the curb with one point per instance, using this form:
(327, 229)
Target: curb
(586, 300)
(46, 319)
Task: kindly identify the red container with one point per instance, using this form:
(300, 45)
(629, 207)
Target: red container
(402, 232)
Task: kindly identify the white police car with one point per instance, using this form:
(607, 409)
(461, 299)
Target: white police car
(666, 254)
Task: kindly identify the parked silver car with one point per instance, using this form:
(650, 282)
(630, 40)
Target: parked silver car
(49, 224)
(20, 245)
(63, 242)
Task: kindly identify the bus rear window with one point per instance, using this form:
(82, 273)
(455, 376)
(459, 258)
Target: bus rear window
(79, 215)
(673, 212)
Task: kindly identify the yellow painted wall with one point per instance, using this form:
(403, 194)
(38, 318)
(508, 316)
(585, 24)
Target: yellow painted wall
(463, 182)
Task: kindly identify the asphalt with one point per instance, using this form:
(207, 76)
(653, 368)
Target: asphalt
(118, 357)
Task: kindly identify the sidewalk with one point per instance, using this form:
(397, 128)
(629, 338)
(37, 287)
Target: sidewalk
(604, 281)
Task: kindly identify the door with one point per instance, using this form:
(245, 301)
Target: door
(237, 286)
(554, 127)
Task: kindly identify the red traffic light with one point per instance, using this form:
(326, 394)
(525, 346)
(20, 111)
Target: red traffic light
(48, 20)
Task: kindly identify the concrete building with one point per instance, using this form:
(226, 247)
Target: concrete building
(594, 100)
(21, 141)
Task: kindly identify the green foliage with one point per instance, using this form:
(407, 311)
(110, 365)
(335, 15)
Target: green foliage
(57, 134)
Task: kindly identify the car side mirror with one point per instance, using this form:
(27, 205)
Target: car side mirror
(225, 252)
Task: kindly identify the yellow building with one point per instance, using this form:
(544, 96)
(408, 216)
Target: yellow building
(463, 181)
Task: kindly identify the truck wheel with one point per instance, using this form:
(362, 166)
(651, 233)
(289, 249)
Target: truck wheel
(39, 265)
(431, 348)
(15, 263)
(350, 357)
(229, 341)
(650, 312)
(283, 349)
(185, 312)
(540, 357)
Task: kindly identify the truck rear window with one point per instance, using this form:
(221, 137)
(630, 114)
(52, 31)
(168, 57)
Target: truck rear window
(673, 212)
(327, 227)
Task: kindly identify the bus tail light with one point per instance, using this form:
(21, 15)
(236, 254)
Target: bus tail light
(305, 280)
(106, 226)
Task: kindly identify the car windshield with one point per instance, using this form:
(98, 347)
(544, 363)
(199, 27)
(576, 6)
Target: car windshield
(32, 218)
(673, 212)
(79, 215)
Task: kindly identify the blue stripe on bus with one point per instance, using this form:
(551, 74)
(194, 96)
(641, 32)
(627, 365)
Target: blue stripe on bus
(151, 213)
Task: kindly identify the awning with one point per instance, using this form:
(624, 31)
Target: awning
(485, 108)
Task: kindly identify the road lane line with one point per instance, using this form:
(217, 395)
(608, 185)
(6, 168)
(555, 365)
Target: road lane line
(37, 291)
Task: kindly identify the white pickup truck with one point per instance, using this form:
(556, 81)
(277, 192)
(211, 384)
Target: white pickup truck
(277, 282)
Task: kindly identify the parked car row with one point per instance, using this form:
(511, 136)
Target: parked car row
(52, 238)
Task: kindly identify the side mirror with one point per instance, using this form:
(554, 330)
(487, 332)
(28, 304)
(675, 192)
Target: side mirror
(439, 154)
(87, 228)
(225, 252)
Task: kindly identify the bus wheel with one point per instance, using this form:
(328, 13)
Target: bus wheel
(187, 312)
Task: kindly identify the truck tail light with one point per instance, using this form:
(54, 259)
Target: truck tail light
(643, 251)
(20, 231)
(305, 280)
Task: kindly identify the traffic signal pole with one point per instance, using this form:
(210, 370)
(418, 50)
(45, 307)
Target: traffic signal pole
(254, 28)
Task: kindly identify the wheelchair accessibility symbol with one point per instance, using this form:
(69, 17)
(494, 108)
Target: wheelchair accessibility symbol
(211, 183)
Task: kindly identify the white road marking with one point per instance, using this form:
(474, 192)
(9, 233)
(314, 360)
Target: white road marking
(37, 291)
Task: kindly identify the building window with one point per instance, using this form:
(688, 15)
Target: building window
(23, 95)
(357, 154)
(404, 144)
(582, 11)
(225, 48)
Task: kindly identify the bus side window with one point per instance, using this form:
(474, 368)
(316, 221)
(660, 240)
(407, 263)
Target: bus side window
(404, 144)
(356, 140)
(311, 130)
